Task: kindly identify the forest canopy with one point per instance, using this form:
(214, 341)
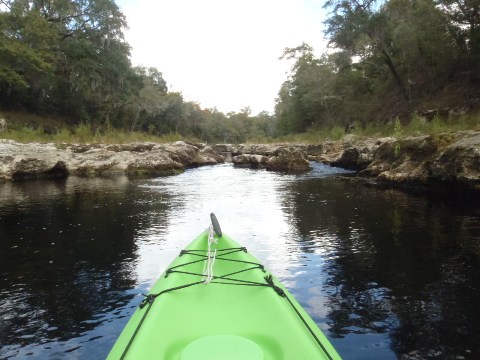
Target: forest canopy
(385, 59)
(70, 58)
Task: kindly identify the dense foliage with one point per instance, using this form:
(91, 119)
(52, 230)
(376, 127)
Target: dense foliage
(70, 58)
(390, 59)
(387, 59)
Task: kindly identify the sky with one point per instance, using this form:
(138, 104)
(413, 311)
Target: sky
(222, 54)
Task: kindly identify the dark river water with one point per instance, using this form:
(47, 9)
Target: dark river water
(383, 273)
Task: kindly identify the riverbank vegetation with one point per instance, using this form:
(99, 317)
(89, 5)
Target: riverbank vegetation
(398, 58)
(416, 126)
(31, 128)
(66, 65)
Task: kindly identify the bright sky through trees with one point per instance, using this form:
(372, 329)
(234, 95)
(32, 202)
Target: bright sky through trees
(222, 53)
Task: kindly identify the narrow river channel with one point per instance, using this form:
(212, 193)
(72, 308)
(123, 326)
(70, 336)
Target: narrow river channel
(384, 274)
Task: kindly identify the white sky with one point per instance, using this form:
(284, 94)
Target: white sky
(222, 53)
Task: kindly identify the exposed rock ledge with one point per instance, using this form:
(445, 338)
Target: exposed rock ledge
(449, 158)
(286, 158)
(446, 159)
(31, 161)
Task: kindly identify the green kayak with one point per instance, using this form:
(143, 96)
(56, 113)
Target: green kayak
(217, 302)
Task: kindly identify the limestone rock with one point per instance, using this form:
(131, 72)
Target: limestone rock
(275, 157)
(358, 154)
(459, 161)
(250, 160)
(31, 161)
(288, 159)
(445, 158)
(25, 161)
(208, 156)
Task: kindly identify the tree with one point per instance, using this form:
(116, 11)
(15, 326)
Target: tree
(149, 100)
(294, 106)
(426, 50)
(463, 21)
(26, 53)
(309, 97)
(362, 30)
(94, 68)
(67, 55)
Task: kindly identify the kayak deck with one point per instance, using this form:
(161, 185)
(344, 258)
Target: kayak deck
(244, 310)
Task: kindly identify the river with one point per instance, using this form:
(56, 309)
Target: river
(385, 274)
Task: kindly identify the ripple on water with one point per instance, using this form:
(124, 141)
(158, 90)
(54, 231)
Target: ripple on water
(383, 273)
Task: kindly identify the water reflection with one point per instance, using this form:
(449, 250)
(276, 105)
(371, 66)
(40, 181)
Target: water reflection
(401, 269)
(383, 273)
(67, 260)
(248, 203)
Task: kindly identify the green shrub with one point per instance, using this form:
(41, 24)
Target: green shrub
(397, 133)
(83, 133)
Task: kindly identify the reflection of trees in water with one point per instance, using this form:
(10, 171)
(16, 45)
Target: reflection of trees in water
(396, 264)
(442, 319)
(67, 255)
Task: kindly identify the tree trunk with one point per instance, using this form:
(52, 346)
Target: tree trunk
(393, 70)
(388, 60)
(135, 120)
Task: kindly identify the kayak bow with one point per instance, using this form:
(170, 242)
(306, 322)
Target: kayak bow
(217, 302)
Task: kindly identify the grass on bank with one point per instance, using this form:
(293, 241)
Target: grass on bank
(312, 136)
(415, 127)
(27, 127)
(84, 135)
(419, 126)
(35, 131)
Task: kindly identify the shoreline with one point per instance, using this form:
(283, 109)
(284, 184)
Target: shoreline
(450, 160)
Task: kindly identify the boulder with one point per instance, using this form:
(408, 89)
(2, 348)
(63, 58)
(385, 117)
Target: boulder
(25, 161)
(259, 149)
(97, 161)
(402, 160)
(208, 156)
(275, 157)
(223, 148)
(357, 154)
(449, 158)
(459, 161)
(179, 151)
(250, 160)
(288, 159)
(135, 146)
(330, 152)
(31, 161)
(348, 159)
(153, 164)
(313, 150)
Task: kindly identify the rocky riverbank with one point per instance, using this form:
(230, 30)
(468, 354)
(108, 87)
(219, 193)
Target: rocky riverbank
(277, 157)
(450, 159)
(20, 161)
(33, 161)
